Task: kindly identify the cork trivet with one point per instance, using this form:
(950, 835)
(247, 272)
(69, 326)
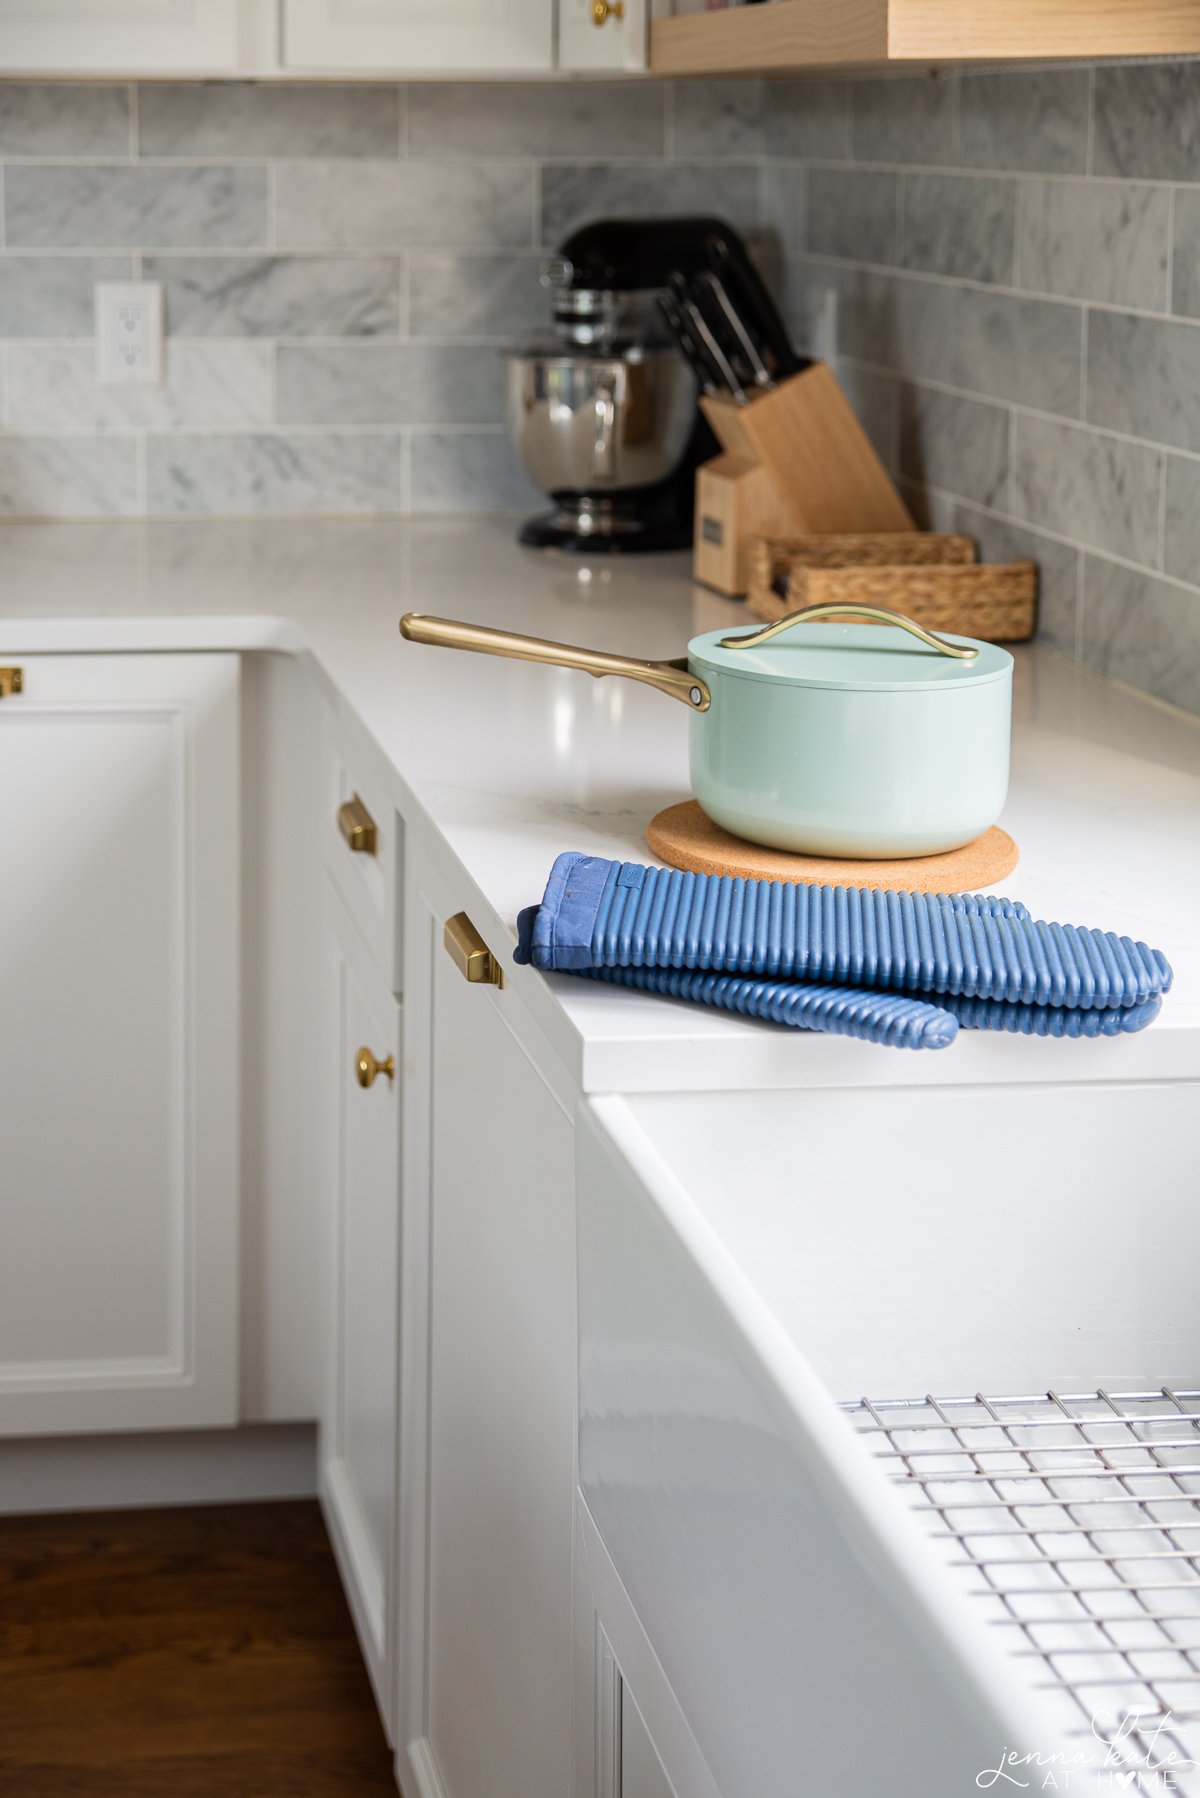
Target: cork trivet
(684, 837)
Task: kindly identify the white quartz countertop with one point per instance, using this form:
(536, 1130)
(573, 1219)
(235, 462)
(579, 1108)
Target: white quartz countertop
(512, 764)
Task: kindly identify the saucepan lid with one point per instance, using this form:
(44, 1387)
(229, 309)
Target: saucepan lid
(807, 649)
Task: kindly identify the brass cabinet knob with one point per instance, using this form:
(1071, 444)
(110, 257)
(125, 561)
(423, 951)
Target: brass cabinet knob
(366, 1067)
(470, 954)
(604, 10)
(12, 680)
(357, 826)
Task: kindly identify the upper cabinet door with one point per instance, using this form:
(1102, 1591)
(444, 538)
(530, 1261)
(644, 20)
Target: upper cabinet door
(119, 37)
(398, 37)
(592, 37)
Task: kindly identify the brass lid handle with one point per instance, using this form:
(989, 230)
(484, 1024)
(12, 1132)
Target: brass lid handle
(849, 609)
(367, 1067)
(604, 10)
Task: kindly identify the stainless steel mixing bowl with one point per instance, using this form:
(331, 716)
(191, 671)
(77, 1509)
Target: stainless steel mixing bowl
(600, 425)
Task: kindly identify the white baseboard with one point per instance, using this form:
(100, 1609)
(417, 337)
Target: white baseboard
(163, 1467)
(426, 1781)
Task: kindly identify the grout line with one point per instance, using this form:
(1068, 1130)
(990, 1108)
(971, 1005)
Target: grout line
(1011, 478)
(273, 384)
(404, 299)
(1018, 221)
(272, 196)
(404, 120)
(1084, 343)
(134, 121)
(1089, 155)
(956, 120)
(1163, 462)
(122, 428)
(1169, 298)
(1080, 592)
(668, 123)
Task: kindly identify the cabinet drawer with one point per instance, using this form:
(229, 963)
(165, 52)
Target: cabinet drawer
(361, 845)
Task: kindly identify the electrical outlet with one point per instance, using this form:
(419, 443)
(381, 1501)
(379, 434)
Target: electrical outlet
(129, 333)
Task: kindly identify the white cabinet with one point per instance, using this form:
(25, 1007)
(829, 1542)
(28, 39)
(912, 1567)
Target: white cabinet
(358, 1427)
(398, 37)
(642, 1774)
(120, 36)
(621, 41)
(119, 1044)
(489, 1432)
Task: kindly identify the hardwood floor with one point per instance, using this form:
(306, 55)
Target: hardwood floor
(180, 1653)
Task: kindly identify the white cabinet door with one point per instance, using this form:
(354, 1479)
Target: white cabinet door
(489, 1446)
(119, 1044)
(431, 36)
(120, 36)
(620, 42)
(358, 1432)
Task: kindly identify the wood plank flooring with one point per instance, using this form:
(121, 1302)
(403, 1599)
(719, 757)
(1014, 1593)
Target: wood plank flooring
(193, 1653)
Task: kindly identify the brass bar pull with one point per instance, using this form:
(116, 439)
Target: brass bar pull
(12, 680)
(366, 1066)
(357, 826)
(470, 954)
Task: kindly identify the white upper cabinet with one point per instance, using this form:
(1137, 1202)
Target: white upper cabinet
(130, 37)
(399, 37)
(602, 37)
(383, 39)
(119, 1044)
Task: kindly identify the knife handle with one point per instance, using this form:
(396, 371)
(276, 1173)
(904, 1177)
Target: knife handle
(758, 308)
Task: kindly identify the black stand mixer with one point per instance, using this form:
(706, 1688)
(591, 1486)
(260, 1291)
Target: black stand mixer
(603, 411)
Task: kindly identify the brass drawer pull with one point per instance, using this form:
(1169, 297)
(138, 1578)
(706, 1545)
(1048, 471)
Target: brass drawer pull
(357, 826)
(470, 954)
(367, 1067)
(12, 680)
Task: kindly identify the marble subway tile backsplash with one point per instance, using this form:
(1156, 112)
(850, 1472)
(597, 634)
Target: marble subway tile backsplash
(1005, 267)
(342, 267)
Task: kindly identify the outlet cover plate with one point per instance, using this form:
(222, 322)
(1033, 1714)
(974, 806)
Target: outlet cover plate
(129, 335)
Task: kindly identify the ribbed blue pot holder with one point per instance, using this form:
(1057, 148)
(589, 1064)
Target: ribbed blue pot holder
(906, 969)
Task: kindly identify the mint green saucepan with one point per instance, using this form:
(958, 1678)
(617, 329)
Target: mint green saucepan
(868, 740)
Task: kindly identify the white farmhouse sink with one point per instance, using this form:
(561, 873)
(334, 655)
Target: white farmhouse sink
(814, 1613)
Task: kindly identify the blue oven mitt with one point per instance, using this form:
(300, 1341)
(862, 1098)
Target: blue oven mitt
(838, 958)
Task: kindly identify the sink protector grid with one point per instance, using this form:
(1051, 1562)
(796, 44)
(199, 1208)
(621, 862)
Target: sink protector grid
(1073, 1522)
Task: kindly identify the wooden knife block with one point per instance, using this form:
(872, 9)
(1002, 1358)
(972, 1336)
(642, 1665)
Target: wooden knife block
(795, 461)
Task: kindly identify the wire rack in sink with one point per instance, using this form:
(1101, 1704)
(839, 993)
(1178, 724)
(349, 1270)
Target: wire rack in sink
(1073, 1521)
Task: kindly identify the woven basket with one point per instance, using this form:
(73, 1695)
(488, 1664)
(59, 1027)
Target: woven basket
(931, 578)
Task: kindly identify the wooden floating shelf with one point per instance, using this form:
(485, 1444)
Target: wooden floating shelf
(827, 34)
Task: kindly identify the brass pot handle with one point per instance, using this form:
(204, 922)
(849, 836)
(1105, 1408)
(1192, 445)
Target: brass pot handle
(850, 609)
(671, 678)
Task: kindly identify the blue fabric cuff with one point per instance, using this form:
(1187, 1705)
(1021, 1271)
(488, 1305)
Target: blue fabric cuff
(558, 932)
